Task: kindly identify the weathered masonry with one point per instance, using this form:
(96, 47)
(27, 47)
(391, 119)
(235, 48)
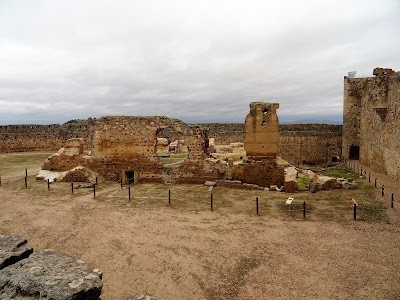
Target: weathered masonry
(371, 121)
(125, 148)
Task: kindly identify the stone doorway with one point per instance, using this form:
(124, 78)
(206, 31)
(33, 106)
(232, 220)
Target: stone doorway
(354, 152)
(130, 177)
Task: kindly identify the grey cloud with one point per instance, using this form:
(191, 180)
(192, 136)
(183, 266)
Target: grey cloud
(200, 62)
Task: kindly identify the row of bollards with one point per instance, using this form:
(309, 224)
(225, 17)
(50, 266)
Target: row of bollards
(353, 167)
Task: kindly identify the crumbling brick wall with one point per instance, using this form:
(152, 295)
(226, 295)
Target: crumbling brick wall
(372, 121)
(28, 138)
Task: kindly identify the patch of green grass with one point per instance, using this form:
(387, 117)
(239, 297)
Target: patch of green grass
(338, 173)
(180, 155)
(302, 182)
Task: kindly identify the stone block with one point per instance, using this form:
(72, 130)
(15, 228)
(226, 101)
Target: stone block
(50, 275)
(12, 249)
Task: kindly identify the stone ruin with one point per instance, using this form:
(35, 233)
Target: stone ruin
(129, 149)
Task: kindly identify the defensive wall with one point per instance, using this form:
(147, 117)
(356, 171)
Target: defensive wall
(371, 121)
(299, 143)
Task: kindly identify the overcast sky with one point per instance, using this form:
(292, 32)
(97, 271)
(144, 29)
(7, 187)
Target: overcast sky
(199, 61)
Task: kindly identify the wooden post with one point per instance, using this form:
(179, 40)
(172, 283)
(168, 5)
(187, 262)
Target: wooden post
(257, 205)
(211, 202)
(72, 187)
(129, 192)
(26, 183)
(94, 191)
(169, 197)
(383, 190)
(355, 212)
(48, 184)
(304, 210)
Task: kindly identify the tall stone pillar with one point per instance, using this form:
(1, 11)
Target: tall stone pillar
(262, 131)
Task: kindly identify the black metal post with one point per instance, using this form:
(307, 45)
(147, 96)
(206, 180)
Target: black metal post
(48, 184)
(361, 171)
(392, 200)
(26, 183)
(375, 181)
(72, 187)
(383, 190)
(169, 197)
(26, 172)
(121, 183)
(304, 210)
(369, 177)
(355, 212)
(94, 191)
(257, 204)
(0, 180)
(129, 192)
(96, 180)
(211, 202)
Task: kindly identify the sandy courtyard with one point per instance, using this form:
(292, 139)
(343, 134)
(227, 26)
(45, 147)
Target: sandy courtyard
(179, 252)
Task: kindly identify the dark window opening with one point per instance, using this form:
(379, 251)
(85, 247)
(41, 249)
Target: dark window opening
(354, 152)
(265, 111)
(334, 159)
(130, 177)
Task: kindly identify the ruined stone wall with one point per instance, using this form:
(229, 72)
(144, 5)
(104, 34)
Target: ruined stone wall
(27, 138)
(378, 116)
(298, 143)
(224, 133)
(128, 144)
(311, 144)
(263, 173)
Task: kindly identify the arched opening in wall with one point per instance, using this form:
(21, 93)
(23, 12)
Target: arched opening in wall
(354, 152)
(171, 147)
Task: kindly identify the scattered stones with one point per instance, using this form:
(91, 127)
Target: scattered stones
(84, 185)
(350, 185)
(12, 249)
(50, 275)
(291, 182)
(273, 188)
(313, 187)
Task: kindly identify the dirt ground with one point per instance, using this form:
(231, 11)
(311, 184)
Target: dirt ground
(186, 251)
